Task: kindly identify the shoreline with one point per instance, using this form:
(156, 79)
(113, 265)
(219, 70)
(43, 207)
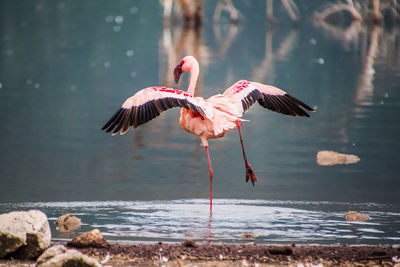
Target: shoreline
(190, 253)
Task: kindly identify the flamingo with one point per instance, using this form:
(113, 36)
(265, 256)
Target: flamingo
(207, 118)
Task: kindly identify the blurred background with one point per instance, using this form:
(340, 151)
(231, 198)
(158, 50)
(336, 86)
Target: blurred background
(67, 66)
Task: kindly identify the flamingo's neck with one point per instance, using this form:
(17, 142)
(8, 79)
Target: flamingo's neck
(194, 74)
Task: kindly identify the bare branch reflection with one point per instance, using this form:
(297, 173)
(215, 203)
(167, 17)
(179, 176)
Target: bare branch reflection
(373, 11)
(378, 48)
(224, 42)
(229, 7)
(365, 85)
(192, 11)
(374, 42)
(265, 71)
(347, 36)
(290, 7)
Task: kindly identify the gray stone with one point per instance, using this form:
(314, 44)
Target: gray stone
(60, 256)
(24, 234)
(93, 238)
(67, 222)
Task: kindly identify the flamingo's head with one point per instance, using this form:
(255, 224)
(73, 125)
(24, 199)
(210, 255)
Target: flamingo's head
(178, 71)
(187, 63)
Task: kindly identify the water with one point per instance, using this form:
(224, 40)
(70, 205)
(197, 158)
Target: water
(233, 220)
(66, 67)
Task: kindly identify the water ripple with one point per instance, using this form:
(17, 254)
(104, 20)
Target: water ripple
(267, 221)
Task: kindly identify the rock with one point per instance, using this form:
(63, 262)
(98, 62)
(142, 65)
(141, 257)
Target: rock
(284, 250)
(60, 256)
(189, 243)
(248, 236)
(67, 222)
(356, 216)
(24, 234)
(329, 158)
(89, 239)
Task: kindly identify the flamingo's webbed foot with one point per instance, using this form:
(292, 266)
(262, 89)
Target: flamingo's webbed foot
(250, 174)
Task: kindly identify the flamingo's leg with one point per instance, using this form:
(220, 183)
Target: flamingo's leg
(250, 175)
(211, 176)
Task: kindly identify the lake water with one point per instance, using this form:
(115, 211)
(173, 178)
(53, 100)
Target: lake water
(232, 220)
(66, 67)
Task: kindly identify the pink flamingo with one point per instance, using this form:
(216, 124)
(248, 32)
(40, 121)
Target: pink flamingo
(206, 118)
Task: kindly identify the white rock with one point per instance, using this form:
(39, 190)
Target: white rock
(59, 256)
(329, 158)
(26, 234)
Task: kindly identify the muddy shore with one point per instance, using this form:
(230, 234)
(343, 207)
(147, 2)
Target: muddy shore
(193, 254)
(189, 254)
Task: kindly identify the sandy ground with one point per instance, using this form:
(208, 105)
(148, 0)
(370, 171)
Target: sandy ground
(192, 254)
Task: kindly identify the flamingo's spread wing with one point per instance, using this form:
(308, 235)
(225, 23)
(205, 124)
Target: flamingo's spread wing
(147, 104)
(246, 93)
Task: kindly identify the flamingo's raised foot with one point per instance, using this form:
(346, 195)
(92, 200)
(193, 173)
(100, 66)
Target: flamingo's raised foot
(250, 174)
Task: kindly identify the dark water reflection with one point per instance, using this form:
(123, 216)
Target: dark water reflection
(65, 67)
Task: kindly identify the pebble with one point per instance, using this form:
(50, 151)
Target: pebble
(119, 19)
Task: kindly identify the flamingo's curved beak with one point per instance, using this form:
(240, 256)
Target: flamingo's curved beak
(177, 72)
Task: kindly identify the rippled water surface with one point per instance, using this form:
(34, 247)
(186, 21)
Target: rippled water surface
(233, 220)
(66, 67)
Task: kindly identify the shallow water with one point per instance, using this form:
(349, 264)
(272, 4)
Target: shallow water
(66, 67)
(233, 220)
